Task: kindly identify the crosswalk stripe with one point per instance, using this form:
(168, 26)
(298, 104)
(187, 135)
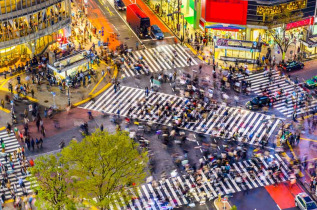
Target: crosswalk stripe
(126, 100)
(184, 53)
(157, 59)
(260, 80)
(11, 145)
(168, 188)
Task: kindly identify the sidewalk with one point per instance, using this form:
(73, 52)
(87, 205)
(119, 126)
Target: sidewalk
(222, 205)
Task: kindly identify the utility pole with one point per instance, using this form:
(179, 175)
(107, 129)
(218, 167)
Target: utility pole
(178, 10)
(161, 8)
(183, 28)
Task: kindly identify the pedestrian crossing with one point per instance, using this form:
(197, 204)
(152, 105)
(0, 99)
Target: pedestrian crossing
(156, 59)
(190, 189)
(222, 121)
(292, 92)
(11, 145)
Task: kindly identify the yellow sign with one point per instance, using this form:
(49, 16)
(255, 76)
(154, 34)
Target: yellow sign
(278, 9)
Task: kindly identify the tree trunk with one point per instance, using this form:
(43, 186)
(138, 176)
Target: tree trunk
(283, 55)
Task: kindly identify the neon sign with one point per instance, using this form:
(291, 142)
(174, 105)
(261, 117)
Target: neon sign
(305, 22)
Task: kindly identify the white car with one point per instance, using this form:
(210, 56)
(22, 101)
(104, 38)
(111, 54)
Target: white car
(304, 202)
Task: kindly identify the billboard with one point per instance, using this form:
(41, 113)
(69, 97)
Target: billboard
(225, 11)
(304, 22)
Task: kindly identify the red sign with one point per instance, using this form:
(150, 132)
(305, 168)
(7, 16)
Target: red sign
(305, 22)
(225, 11)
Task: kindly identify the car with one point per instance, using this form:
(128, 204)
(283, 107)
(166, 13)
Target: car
(259, 102)
(292, 65)
(311, 83)
(304, 202)
(119, 5)
(156, 32)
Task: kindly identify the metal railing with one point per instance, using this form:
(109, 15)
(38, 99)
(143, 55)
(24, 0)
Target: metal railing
(28, 10)
(36, 35)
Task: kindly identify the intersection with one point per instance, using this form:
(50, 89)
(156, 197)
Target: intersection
(189, 98)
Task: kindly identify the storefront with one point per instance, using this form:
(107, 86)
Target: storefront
(224, 19)
(309, 46)
(225, 31)
(237, 51)
(69, 66)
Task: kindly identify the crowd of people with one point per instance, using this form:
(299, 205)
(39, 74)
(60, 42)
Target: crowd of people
(23, 26)
(12, 178)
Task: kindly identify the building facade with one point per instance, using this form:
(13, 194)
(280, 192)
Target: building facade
(27, 27)
(247, 19)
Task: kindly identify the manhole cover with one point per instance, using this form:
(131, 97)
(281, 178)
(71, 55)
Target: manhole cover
(46, 101)
(127, 38)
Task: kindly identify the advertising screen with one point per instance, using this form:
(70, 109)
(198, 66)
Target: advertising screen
(225, 11)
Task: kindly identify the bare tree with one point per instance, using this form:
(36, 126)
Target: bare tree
(278, 34)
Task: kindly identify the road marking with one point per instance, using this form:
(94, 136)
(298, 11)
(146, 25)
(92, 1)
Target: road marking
(111, 13)
(308, 139)
(127, 24)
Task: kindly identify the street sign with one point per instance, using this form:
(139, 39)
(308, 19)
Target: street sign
(224, 199)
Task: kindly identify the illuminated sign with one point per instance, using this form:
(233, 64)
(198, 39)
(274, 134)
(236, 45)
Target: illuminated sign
(305, 22)
(225, 11)
(278, 9)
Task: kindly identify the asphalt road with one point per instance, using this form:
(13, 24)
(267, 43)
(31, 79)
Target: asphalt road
(308, 72)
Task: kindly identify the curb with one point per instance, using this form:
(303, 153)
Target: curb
(115, 74)
(194, 51)
(9, 78)
(27, 97)
(5, 110)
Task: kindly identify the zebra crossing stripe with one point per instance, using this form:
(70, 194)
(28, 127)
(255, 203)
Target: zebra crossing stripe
(14, 174)
(257, 170)
(158, 58)
(126, 99)
(259, 80)
(183, 52)
(248, 175)
(172, 191)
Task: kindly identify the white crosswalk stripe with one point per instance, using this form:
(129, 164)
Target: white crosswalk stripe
(157, 59)
(253, 126)
(260, 81)
(185, 189)
(11, 145)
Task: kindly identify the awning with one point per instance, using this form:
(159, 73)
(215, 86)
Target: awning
(225, 27)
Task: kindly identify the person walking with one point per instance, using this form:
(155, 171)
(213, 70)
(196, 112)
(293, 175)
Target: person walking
(32, 93)
(297, 139)
(146, 91)
(200, 68)
(32, 144)
(115, 88)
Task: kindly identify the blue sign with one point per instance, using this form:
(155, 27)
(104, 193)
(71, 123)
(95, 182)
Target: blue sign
(53, 93)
